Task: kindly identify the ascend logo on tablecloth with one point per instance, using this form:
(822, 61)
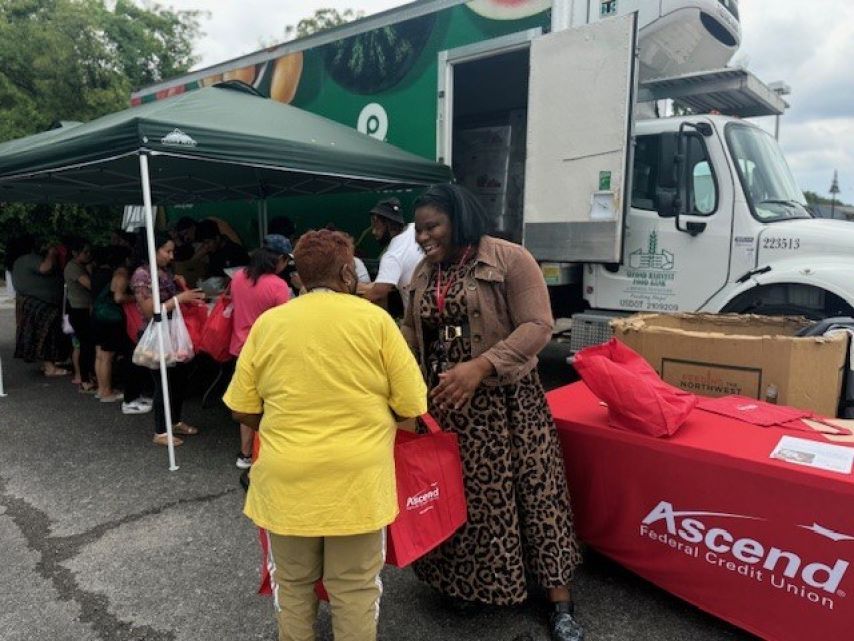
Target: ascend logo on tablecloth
(423, 498)
(686, 532)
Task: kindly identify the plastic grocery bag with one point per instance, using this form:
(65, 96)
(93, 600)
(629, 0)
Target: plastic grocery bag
(67, 329)
(637, 399)
(182, 344)
(195, 318)
(147, 350)
(133, 320)
(216, 335)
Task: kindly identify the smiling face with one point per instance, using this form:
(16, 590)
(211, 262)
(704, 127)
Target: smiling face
(434, 233)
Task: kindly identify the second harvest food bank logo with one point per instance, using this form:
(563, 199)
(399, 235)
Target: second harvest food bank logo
(653, 257)
(688, 533)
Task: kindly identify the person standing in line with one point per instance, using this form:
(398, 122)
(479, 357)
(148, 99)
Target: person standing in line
(38, 282)
(137, 397)
(401, 257)
(78, 287)
(479, 314)
(323, 379)
(108, 325)
(255, 289)
(141, 283)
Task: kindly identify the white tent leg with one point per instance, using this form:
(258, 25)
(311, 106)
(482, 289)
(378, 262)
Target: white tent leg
(2, 392)
(155, 295)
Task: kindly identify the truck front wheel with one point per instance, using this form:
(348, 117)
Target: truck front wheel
(790, 300)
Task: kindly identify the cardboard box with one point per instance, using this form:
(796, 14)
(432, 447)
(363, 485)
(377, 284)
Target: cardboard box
(722, 354)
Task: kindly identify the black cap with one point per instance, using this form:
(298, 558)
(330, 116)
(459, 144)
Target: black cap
(389, 208)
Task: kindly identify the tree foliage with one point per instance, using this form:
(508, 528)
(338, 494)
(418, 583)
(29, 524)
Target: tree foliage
(814, 199)
(322, 20)
(78, 60)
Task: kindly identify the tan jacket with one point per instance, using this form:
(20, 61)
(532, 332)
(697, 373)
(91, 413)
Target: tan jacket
(509, 313)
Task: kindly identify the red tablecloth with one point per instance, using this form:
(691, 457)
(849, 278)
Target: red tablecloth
(707, 516)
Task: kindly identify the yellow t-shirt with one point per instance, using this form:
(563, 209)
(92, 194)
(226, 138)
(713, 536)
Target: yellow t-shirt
(326, 370)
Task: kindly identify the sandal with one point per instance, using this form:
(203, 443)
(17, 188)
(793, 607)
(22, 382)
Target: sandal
(88, 388)
(56, 372)
(185, 430)
(163, 439)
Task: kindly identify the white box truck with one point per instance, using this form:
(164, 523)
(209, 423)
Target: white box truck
(548, 110)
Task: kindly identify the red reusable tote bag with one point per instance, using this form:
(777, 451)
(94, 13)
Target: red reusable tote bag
(638, 400)
(195, 318)
(216, 336)
(133, 321)
(430, 493)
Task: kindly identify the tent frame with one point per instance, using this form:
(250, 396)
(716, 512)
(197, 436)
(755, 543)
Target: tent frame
(157, 317)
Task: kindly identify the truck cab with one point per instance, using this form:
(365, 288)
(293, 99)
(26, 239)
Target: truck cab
(716, 222)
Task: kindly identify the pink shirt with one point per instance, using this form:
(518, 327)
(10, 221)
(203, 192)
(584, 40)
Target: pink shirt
(250, 301)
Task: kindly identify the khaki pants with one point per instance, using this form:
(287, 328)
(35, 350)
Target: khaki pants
(350, 567)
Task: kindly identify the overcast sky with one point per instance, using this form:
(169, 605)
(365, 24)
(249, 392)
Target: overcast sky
(807, 44)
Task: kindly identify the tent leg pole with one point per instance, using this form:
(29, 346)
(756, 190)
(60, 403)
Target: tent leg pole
(158, 310)
(2, 391)
(264, 218)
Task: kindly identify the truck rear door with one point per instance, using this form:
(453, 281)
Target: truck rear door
(579, 147)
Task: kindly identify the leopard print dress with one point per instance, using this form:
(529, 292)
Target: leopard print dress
(519, 527)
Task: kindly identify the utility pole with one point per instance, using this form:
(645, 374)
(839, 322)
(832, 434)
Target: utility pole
(834, 189)
(781, 89)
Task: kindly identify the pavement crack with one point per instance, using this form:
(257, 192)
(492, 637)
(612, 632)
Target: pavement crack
(53, 550)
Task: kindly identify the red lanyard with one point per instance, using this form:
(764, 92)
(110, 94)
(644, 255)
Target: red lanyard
(442, 292)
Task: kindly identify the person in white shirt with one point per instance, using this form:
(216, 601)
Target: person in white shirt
(401, 256)
(362, 274)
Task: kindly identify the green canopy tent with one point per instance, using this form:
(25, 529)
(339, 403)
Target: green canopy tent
(219, 143)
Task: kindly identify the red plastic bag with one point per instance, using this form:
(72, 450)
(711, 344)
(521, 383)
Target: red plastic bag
(195, 318)
(637, 399)
(430, 493)
(133, 321)
(216, 335)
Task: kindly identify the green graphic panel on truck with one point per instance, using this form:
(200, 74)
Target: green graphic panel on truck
(382, 82)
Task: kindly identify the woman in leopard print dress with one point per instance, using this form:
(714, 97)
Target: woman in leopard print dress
(479, 313)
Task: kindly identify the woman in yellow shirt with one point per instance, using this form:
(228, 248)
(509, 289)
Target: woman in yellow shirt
(324, 379)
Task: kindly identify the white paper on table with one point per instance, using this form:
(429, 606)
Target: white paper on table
(823, 456)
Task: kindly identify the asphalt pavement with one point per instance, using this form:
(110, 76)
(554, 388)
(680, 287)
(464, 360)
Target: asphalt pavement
(100, 541)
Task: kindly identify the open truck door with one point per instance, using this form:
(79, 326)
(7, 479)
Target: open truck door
(581, 101)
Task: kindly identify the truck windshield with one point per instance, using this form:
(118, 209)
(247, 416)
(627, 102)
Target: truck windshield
(768, 184)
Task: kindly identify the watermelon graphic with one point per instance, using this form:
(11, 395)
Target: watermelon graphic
(377, 60)
(508, 9)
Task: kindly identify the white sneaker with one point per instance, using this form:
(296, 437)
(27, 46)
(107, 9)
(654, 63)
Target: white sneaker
(243, 462)
(135, 407)
(146, 400)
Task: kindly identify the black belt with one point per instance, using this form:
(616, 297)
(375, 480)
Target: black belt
(449, 333)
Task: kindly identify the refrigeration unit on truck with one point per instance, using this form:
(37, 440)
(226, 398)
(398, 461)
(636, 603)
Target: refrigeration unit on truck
(547, 110)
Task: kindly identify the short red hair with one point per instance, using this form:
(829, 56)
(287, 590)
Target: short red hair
(320, 255)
